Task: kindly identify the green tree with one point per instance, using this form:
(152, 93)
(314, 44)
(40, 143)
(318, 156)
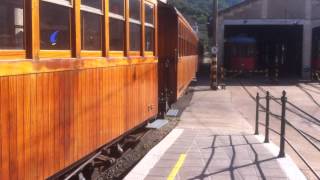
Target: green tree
(198, 11)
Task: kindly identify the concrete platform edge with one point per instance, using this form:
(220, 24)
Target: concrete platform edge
(286, 164)
(142, 169)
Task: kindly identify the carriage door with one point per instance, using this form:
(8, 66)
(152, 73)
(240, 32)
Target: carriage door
(167, 48)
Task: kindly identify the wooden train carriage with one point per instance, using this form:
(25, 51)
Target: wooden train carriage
(74, 75)
(178, 55)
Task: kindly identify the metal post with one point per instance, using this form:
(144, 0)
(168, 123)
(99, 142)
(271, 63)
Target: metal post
(277, 70)
(267, 73)
(317, 76)
(214, 72)
(283, 125)
(214, 64)
(266, 140)
(257, 114)
(222, 74)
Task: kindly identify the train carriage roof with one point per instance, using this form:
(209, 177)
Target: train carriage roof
(179, 15)
(241, 40)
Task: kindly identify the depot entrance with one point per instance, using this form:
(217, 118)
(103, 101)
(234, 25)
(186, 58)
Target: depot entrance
(276, 46)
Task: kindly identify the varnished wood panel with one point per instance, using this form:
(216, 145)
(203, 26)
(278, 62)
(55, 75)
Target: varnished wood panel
(50, 120)
(177, 55)
(5, 132)
(56, 111)
(187, 69)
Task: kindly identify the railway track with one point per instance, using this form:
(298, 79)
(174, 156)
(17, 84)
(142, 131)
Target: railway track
(317, 91)
(116, 160)
(295, 110)
(307, 92)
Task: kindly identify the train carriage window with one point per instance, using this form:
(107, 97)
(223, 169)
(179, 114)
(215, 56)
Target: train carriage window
(55, 18)
(91, 19)
(11, 24)
(135, 25)
(149, 39)
(116, 25)
(149, 13)
(96, 4)
(149, 27)
(135, 9)
(135, 37)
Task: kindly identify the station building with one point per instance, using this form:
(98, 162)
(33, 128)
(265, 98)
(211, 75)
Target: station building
(291, 27)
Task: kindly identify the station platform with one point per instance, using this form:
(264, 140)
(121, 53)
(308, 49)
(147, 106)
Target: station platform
(214, 141)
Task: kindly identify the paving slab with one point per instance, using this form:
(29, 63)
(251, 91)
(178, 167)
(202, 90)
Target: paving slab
(214, 141)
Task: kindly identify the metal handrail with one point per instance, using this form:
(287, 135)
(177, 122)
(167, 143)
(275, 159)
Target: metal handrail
(306, 134)
(278, 117)
(296, 151)
(299, 109)
(284, 121)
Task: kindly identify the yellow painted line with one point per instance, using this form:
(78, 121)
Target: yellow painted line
(177, 167)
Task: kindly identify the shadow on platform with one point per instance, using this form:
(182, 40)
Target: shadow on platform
(240, 164)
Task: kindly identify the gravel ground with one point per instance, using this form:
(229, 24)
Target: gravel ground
(125, 163)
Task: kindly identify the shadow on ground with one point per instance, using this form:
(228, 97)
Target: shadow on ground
(233, 157)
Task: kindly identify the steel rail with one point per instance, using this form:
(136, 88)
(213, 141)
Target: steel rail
(304, 136)
(278, 118)
(303, 159)
(299, 109)
(314, 86)
(311, 90)
(82, 166)
(308, 94)
(272, 114)
(310, 136)
(317, 120)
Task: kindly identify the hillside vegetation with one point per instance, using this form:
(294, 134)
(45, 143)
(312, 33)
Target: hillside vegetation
(198, 11)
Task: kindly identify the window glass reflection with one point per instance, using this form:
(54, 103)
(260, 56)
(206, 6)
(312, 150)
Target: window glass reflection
(149, 14)
(116, 35)
(54, 26)
(149, 46)
(11, 24)
(92, 3)
(91, 31)
(135, 9)
(116, 6)
(135, 37)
